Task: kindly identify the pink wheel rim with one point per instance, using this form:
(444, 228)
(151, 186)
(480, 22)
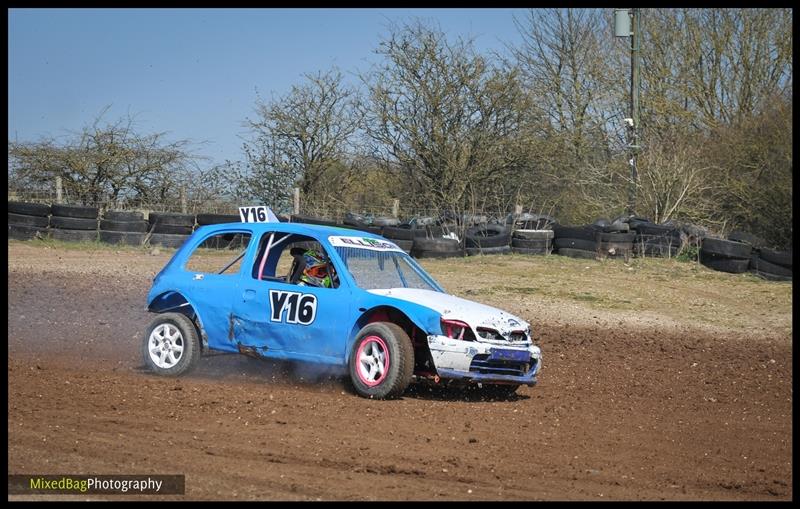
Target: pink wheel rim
(372, 361)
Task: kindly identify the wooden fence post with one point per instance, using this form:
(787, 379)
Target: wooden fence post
(59, 190)
(395, 207)
(296, 194)
(183, 199)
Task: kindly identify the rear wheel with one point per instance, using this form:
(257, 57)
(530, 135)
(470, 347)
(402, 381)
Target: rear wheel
(382, 361)
(171, 345)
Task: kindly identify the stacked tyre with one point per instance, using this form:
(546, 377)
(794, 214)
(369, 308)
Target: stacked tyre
(488, 239)
(232, 241)
(615, 244)
(123, 227)
(169, 229)
(298, 218)
(436, 248)
(655, 240)
(576, 241)
(73, 223)
(532, 242)
(28, 220)
(772, 265)
(725, 255)
(402, 236)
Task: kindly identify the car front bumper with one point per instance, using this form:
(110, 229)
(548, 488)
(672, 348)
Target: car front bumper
(473, 361)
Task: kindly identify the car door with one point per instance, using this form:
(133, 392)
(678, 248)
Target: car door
(284, 320)
(215, 271)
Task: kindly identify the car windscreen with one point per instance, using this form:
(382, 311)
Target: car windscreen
(376, 270)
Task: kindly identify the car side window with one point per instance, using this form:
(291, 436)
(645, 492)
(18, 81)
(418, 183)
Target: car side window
(295, 259)
(221, 253)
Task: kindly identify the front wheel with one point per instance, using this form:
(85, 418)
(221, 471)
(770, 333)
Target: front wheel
(382, 361)
(171, 346)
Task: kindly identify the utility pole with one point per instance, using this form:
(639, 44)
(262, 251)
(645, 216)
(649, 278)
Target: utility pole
(634, 130)
(626, 24)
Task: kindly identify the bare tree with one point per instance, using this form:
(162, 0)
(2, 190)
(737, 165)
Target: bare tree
(299, 137)
(441, 114)
(104, 162)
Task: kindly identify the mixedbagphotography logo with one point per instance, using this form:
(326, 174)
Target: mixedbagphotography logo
(68, 484)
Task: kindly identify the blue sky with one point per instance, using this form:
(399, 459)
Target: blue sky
(194, 72)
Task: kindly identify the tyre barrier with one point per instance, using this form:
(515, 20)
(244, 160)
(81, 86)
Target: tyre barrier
(436, 248)
(398, 233)
(24, 232)
(298, 218)
(724, 264)
(725, 248)
(782, 258)
(28, 209)
(488, 235)
(204, 219)
(74, 223)
(123, 215)
(167, 240)
(532, 242)
(123, 227)
(588, 232)
(747, 238)
(570, 243)
(473, 251)
(172, 219)
(577, 253)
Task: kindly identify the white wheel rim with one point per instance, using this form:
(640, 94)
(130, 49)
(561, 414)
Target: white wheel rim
(373, 361)
(165, 346)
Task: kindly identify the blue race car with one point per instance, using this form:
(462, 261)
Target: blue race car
(331, 296)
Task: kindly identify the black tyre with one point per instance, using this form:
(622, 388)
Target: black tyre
(405, 245)
(381, 361)
(74, 235)
(123, 215)
(416, 253)
(437, 245)
(576, 232)
(578, 253)
(531, 251)
(617, 237)
(726, 248)
(385, 221)
(532, 234)
(377, 230)
(74, 211)
(732, 265)
(170, 229)
(531, 243)
(171, 344)
(203, 219)
(760, 265)
(782, 258)
(656, 230)
(488, 235)
(19, 219)
(656, 249)
(617, 226)
(22, 232)
(472, 251)
(124, 226)
(73, 223)
(171, 219)
(615, 248)
(297, 218)
(770, 277)
(28, 209)
(747, 238)
(167, 240)
(394, 232)
(569, 243)
(124, 238)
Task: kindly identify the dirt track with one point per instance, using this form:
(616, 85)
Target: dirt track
(619, 413)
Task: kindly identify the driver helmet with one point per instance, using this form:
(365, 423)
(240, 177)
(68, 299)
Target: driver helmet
(315, 272)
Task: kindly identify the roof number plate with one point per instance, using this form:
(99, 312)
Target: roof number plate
(257, 214)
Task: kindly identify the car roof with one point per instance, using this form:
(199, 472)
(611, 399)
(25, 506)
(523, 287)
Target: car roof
(301, 228)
